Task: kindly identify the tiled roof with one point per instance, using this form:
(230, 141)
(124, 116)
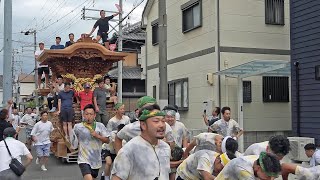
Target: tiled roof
(132, 27)
(132, 32)
(135, 36)
(127, 73)
(26, 78)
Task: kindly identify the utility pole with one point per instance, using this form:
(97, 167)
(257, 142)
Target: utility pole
(34, 32)
(163, 87)
(16, 66)
(120, 49)
(120, 63)
(7, 52)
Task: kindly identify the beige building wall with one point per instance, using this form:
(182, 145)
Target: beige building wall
(242, 26)
(152, 51)
(130, 60)
(179, 43)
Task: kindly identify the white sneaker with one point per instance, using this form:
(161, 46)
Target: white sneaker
(43, 168)
(37, 161)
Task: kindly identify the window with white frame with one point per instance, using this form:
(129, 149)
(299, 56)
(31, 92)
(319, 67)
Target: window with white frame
(191, 15)
(274, 12)
(178, 93)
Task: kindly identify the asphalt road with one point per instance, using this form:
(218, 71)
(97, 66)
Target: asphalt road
(56, 169)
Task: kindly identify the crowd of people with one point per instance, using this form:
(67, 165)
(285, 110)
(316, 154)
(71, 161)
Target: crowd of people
(155, 146)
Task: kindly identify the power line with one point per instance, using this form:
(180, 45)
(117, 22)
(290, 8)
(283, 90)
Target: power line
(18, 41)
(42, 7)
(55, 12)
(48, 12)
(128, 14)
(112, 29)
(26, 76)
(44, 28)
(63, 26)
(67, 25)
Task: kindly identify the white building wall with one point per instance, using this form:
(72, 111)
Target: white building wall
(26, 89)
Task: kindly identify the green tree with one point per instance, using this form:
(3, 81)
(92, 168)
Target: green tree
(31, 104)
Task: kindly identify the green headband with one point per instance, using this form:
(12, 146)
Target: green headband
(148, 114)
(261, 157)
(145, 100)
(118, 105)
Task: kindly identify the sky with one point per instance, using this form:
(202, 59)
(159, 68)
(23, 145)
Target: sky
(53, 18)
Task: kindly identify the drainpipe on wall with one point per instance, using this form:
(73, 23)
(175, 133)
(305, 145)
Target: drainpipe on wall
(226, 82)
(217, 50)
(296, 64)
(146, 64)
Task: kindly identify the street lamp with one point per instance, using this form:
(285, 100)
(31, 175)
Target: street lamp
(34, 32)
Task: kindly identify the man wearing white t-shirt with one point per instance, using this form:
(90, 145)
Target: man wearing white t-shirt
(278, 145)
(227, 126)
(41, 68)
(41, 136)
(145, 156)
(15, 120)
(17, 149)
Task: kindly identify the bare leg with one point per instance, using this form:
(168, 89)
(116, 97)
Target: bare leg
(98, 38)
(39, 81)
(44, 160)
(107, 170)
(65, 128)
(172, 176)
(47, 80)
(69, 128)
(88, 177)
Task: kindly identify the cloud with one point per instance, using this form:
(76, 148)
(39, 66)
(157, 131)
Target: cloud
(36, 14)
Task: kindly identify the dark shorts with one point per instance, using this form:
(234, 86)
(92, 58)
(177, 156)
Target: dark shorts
(42, 70)
(179, 178)
(86, 169)
(105, 153)
(67, 115)
(104, 36)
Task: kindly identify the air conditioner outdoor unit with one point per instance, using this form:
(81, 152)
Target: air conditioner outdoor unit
(297, 144)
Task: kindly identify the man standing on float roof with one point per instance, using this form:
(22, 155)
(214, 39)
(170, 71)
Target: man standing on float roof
(103, 24)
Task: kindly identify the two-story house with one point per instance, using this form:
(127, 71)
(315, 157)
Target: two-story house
(208, 36)
(26, 87)
(133, 84)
